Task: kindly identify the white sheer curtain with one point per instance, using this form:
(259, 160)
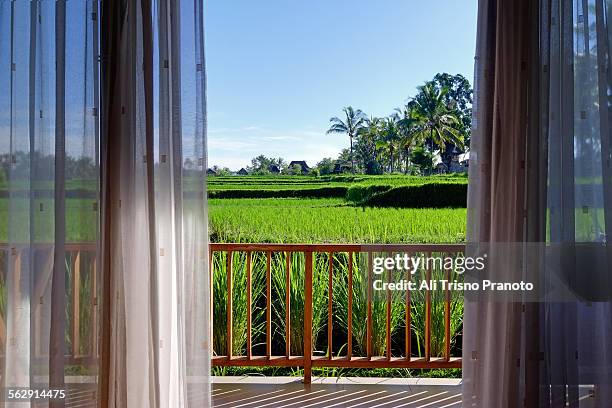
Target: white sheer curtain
(155, 347)
(48, 185)
(103, 232)
(540, 174)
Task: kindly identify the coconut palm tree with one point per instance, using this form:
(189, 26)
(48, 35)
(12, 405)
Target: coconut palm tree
(354, 120)
(406, 127)
(368, 143)
(391, 138)
(430, 120)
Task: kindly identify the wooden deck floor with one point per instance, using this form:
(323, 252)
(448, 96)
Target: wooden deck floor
(335, 393)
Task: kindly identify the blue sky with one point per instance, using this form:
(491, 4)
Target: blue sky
(279, 69)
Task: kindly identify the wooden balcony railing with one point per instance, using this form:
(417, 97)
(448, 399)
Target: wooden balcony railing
(348, 360)
(81, 300)
(83, 308)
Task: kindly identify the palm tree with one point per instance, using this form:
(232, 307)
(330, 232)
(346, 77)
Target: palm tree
(431, 120)
(406, 127)
(390, 138)
(368, 143)
(355, 120)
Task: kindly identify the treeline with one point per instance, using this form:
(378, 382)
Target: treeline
(437, 120)
(22, 165)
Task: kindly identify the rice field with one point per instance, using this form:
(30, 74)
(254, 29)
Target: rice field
(330, 221)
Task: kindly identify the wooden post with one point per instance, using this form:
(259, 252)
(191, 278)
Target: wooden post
(76, 304)
(308, 319)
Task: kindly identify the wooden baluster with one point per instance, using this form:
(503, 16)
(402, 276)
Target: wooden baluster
(230, 305)
(249, 306)
(447, 317)
(269, 305)
(408, 331)
(369, 329)
(330, 306)
(428, 312)
(288, 305)
(350, 306)
(211, 285)
(388, 341)
(94, 305)
(76, 304)
(308, 319)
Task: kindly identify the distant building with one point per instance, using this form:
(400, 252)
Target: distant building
(340, 168)
(274, 169)
(243, 172)
(441, 168)
(459, 164)
(211, 172)
(302, 164)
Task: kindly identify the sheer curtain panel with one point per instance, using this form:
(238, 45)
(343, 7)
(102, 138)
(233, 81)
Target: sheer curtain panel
(155, 332)
(48, 194)
(104, 287)
(541, 177)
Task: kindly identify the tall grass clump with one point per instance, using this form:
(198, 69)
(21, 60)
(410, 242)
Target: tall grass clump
(438, 297)
(239, 293)
(360, 306)
(296, 298)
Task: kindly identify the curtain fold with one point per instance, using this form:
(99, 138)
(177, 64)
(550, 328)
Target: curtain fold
(156, 340)
(540, 176)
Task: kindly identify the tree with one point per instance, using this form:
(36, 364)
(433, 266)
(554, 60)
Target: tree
(431, 121)
(326, 166)
(367, 146)
(260, 165)
(295, 170)
(222, 171)
(354, 120)
(390, 138)
(459, 98)
(423, 159)
(405, 126)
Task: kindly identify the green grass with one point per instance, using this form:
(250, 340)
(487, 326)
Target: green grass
(330, 221)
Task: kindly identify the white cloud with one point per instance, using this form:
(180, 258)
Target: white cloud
(234, 130)
(234, 147)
